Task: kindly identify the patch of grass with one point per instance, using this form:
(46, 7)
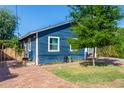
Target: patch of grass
(79, 74)
(55, 62)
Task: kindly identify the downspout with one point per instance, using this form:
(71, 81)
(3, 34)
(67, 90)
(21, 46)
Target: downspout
(36, 48)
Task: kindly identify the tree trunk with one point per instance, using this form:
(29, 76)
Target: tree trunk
(94, 51)
(0, 57)
(15, 55)
(5, 55)
(2, 54)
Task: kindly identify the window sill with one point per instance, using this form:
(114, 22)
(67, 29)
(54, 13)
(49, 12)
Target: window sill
(53, 51)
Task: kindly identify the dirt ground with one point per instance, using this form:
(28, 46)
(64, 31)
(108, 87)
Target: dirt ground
(34, 77)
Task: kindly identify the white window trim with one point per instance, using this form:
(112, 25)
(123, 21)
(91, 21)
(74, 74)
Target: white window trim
(29, 44)
(73, 50)
(58, 49)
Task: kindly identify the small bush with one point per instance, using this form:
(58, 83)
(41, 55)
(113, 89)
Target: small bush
(107, 51)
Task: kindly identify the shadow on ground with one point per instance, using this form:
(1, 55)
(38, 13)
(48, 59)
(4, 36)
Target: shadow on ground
(5, 73)
(102, 62)
(14, 64)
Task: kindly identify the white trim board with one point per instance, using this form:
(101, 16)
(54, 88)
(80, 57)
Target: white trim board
(58, 48)
(72, 50)
(36, 48)
(70, 47)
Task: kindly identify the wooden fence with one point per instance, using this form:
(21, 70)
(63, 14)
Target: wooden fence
(10, 54)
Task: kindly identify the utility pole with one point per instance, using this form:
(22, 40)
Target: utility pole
(17, 30)
(17, 21)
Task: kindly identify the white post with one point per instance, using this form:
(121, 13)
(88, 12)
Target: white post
(85, 52)
(95, 52)
(37, 48)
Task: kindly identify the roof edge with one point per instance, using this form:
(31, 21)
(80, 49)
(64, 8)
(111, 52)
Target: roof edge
(43, 29)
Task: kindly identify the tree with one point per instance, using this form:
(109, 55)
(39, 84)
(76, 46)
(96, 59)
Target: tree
(116, 50)
(14, 43)
(94, 26)
(8, 23)
(120, 47)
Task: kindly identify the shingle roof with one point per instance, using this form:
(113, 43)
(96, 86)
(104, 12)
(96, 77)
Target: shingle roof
(44, 29)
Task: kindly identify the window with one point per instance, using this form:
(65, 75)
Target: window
(71, 49)
(53, 44)
(29, 44)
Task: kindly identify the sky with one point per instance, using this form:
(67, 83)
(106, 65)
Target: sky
(32, 17)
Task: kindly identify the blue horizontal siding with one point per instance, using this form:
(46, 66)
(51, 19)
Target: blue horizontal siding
(63, 32)
(57, 58)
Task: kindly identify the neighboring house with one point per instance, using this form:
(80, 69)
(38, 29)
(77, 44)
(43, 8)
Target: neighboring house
(50, 44)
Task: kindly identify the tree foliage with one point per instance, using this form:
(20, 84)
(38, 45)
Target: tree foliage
(8, 23)
(116, 50)
(95, 26)
(120, 46)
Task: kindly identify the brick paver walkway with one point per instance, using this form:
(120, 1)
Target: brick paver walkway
(35, 77)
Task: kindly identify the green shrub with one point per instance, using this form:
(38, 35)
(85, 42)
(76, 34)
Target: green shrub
(107, 51)
(114, 50)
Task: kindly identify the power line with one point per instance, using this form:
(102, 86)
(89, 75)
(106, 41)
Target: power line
(18, 34)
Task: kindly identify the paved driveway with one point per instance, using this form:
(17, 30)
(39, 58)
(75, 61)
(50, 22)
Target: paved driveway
(36, 77)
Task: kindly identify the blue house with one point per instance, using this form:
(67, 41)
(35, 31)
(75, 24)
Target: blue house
(49, 44)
